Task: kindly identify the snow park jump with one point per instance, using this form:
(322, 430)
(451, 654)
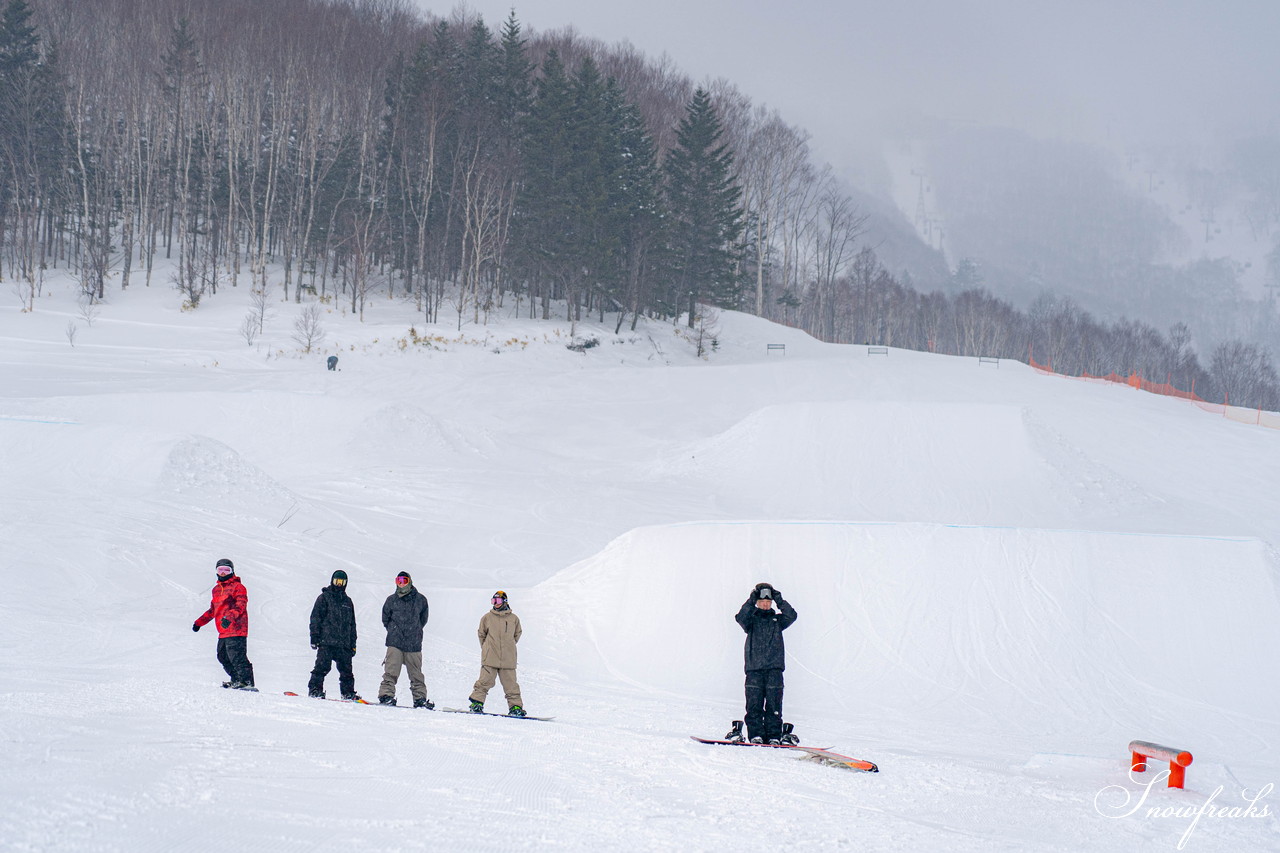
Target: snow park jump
(964, 548)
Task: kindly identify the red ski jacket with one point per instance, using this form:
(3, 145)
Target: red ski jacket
(230, 603)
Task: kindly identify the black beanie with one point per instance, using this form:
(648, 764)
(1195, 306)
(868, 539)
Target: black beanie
(338, 575)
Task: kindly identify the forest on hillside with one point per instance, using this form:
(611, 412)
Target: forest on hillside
(352, 149)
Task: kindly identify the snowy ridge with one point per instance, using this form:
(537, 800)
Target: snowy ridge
(983, 447)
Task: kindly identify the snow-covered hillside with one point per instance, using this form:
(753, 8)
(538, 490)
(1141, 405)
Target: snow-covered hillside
(1001, 578)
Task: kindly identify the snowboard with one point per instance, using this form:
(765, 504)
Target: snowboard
(333, 699)
(408, 707)
(815, 753)
(490, 714)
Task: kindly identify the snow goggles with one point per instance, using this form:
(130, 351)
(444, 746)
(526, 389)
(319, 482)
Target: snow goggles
(223, 571)
(401, 581)
(339, 581)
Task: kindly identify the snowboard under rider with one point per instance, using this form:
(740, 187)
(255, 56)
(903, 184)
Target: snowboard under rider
(499, 632)
(765, 659)
(404, 615)
(333, 636)
(229, 607)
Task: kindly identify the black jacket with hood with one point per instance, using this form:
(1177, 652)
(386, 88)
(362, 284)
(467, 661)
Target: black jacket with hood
(333, 619)
(764, 646)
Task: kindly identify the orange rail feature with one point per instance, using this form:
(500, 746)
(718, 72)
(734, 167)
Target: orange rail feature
(1179, 759)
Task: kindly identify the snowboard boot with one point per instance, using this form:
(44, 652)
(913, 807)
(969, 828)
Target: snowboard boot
(351, 697)
(516, 711)
(316, 694)
(789, 737)
(757, 739)
(476, 707)
(424, 703)
(773, 741)
(735, 733)
(386, 700)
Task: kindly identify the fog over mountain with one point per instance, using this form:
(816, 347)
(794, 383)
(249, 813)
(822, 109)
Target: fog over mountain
(853, 73)
(1124, 155)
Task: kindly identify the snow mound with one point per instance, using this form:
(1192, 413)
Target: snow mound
(208, 472)
(857, 460)
(407, 432)
(1083, 635)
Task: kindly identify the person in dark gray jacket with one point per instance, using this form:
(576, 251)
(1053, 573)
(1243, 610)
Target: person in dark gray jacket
(765, 659)
(404, 615)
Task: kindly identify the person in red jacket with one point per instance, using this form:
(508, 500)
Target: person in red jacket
(230, 609)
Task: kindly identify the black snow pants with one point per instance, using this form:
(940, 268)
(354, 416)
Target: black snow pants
(326, 656)
(764, 703)
(233, 654)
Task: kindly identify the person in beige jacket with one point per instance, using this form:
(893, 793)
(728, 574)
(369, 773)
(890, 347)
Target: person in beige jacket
(499, 632)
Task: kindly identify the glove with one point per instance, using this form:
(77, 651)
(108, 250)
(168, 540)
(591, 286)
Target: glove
(225, 623)
(777, 596)
(195, 626)
(315, 646)
(755, 595)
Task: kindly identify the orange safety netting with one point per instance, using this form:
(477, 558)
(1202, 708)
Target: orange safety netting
(1234, 413)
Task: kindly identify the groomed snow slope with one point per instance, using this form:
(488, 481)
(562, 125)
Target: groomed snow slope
(1001, 579)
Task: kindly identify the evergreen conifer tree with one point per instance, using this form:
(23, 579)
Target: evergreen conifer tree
(570, 166)
(637, 208)
(34, 135)
(704, 197)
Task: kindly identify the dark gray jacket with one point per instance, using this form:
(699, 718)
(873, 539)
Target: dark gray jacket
(404, 617)
(764, 648)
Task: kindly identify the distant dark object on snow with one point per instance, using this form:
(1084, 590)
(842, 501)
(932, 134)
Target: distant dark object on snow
(583, 346)
(333, 362)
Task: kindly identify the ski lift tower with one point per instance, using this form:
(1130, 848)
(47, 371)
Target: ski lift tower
(923, 222)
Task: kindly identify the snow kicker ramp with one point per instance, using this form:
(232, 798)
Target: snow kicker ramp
(966, 462)
(1070, 637)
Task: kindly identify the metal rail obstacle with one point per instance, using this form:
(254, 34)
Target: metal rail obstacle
(1178, 759)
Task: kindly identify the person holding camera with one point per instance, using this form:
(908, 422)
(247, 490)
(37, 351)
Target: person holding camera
(765, 660)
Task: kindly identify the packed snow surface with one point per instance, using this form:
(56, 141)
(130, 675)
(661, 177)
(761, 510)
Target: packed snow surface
(1001, 577)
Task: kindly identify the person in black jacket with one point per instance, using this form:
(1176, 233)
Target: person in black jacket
(333, 636)
(404, 615)
(765, 657)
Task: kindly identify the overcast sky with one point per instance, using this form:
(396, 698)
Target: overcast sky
(1116, 71)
